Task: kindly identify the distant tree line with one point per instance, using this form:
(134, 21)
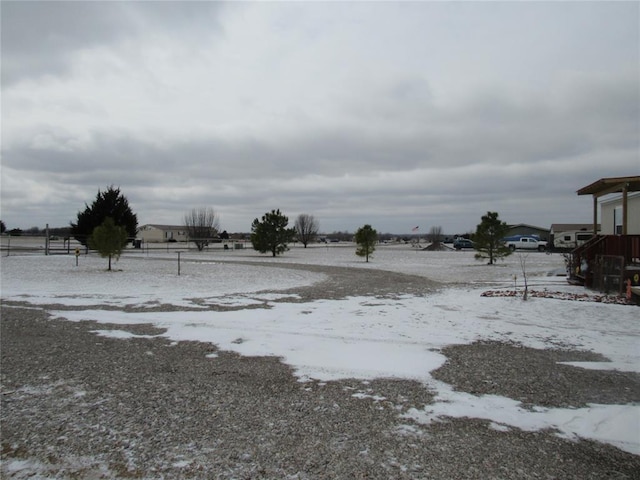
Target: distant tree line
(109, 223)
(62, 232)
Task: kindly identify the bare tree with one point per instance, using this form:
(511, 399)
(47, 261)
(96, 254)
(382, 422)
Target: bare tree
(202, 224)
(306, 228)
(523, 266)
(435, 237)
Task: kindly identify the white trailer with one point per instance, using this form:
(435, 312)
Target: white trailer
(571, 239)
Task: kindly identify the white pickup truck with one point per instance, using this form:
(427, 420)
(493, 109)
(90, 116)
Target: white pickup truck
(526, 243)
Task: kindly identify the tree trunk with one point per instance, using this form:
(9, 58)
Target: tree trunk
(109, 262)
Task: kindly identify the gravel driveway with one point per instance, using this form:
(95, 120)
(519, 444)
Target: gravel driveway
(79, 406)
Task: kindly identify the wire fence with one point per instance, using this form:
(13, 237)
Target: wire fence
(40, 245)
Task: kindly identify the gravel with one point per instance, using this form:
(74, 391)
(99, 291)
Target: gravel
(79, 406)
(535, 377)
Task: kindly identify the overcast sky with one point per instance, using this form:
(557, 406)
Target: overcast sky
(388, 113)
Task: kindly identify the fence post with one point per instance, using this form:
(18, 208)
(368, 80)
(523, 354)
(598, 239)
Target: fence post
(178, 263)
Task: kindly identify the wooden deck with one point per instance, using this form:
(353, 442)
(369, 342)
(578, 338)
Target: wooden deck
(606, 262)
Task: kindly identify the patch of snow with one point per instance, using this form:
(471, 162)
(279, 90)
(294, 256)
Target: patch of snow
(356, 337)
(120, 334)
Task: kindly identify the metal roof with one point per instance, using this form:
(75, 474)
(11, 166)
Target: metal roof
(605, 186)
(568, 227)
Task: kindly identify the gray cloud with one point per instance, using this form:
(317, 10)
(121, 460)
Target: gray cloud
(40, 38)
(389, 114)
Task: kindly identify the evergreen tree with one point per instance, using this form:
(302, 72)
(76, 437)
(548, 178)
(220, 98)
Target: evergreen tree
(110, 203)
(366, 238)
(108, 239)
(271, 233)
(488, 238)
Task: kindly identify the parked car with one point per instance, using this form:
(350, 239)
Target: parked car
(460, 243)
(526, 243)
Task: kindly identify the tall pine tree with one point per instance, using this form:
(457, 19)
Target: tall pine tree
(110, 203)
(488, 238)
(271, 233)
(366, 238)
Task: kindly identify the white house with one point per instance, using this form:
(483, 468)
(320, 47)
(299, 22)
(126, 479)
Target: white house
(612, 262)
(611, 214)
(620, 213)
(153, 233)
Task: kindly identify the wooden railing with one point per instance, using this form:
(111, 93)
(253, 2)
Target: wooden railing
(586, 261)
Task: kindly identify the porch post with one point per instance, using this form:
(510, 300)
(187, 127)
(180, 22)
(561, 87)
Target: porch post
(595, 215)
(625, 189)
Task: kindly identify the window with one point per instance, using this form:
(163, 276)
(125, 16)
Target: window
(617, 220)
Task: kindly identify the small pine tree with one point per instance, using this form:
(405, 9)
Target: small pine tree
(108, 239)
(271, 233)
(366, 238)
(488, 238)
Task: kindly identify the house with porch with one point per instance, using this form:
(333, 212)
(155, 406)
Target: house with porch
(610, 261)
(612, 215)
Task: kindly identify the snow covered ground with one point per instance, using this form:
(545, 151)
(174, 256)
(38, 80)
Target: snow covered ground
(356, 337)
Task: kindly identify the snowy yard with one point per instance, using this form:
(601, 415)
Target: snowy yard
(360, 337)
